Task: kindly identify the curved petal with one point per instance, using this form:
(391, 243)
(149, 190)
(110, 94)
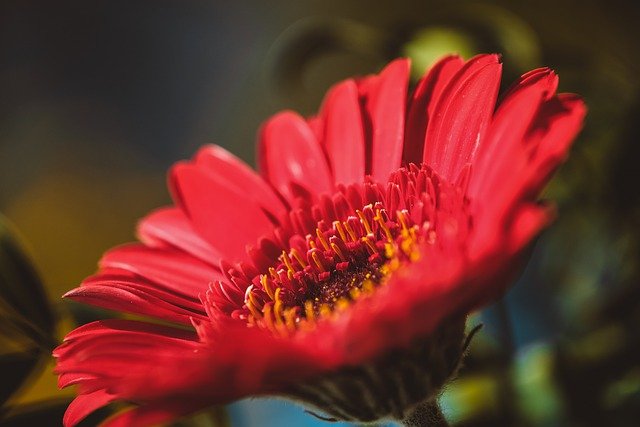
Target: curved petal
(343, 133)
(169, 268)
(152, 364)
(511, 122)
(84, 405)
(384, 98)
(289, 154)
(131, 299)
(534, 158)
(125, 278)
(170, 226)
(423, 102)
(227, 218)
(239, 176)
(462, 116)
(559, 121)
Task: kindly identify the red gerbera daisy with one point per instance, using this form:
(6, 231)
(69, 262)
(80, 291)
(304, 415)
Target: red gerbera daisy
(341, 274)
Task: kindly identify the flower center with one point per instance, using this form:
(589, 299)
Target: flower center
(338, 265)
(340, 248)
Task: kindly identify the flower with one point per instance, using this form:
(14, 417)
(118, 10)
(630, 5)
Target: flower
(340, 274)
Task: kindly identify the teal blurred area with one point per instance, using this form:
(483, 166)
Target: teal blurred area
(98, 99)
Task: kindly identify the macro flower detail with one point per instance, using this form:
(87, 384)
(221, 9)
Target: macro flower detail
(341, 273)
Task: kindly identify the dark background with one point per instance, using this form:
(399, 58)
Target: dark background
(99, 98)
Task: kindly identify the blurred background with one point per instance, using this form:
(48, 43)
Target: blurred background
(99, 98)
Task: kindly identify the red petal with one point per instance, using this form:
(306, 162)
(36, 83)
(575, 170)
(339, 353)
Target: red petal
(343, 133)
(128, 299)
(528, 221)
(462, 116)
(556, 127)
(126, 279)
(507, 130)
(85, 404)
(385, 98)
(172, 269)
(152, 363)
(225, 216)
(289, 153)
(170, 226)
(423, 102)
(239, 176)
(534, 158)
(115, 327)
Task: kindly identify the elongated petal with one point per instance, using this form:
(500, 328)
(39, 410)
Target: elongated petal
(559, 122)
(514, 117)
(343, 133)
(290, 154)
(132, 299)
(170, 226)
(423, 102)
(238, 175)
(171, 269)
(138, 362)
(85, 404)
(462, 116)
(226, 217)
(385, 98)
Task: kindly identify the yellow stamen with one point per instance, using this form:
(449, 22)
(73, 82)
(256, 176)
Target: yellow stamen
(325, 310)
(266, 285)
(389, 250)
(251, 303)
(268, 317)
(298, 257)
(290, 318)
(277, 307)
(349, 229)
(316, 260)
(401, 215)
(368, 286)
(338, 251)
(309, 311)
(370, 244)
(338, 226)
(384, 227)
(342, 304)
(287, 261)
(324, 242)
(364, 221)
(253, 300)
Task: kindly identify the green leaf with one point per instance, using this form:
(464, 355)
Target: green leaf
(27, 323)
(23, 300)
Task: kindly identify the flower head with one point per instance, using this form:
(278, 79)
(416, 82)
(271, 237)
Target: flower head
(340, 274)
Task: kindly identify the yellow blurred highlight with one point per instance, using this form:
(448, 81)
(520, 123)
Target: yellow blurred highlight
(469, 397)
(431, 44)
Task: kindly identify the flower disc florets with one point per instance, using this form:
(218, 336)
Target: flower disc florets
(340, 250)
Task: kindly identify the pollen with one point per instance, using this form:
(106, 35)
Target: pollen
(343, 263)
